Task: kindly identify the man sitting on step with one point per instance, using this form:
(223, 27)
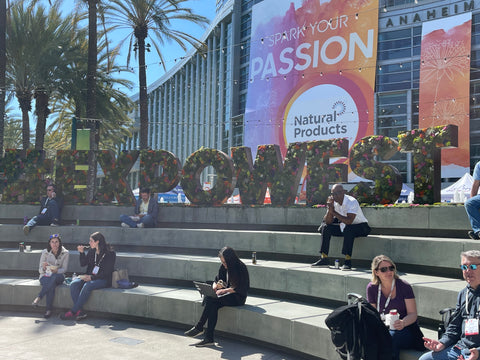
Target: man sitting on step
(472, 205)
(146, 212)
(344, 218)
(49, 211)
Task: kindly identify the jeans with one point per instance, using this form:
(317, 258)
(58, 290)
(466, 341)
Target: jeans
(472, 206)
(146, 220)
(401, 339)
(449, 353)
(49, 283)
(80, 291)
(210, 312)
(350, 232)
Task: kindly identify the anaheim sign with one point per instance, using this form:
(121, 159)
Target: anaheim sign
(25, 174)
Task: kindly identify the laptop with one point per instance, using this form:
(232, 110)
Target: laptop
(207, 290)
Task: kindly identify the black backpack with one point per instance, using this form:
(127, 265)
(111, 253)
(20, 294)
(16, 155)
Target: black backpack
(358, 332)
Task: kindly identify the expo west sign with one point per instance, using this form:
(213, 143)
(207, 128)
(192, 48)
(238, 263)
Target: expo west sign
(24, 176)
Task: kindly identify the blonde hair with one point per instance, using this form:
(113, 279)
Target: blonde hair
(375, 262)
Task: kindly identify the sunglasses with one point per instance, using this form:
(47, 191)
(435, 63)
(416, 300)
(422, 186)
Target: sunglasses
(387, 268)
(55, 236)
(471, 267)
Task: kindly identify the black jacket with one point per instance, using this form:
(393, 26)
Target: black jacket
(106, 265)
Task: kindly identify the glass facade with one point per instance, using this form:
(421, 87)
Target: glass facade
(202, 100)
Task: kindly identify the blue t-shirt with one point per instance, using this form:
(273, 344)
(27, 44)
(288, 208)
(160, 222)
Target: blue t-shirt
(476, 171)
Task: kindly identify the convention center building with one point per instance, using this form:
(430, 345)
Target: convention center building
(283, 71)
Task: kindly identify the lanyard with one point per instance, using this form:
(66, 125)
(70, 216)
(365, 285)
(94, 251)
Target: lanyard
(100, 259)
(466, 302)
(388, 299)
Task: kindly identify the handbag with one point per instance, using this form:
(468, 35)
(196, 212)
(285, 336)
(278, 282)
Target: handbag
(119, 274)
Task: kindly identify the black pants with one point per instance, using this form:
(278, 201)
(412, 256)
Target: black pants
(210, 311)
(350, 232)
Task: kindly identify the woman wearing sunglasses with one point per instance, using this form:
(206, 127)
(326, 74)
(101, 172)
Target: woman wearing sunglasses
(52, 267)
(388, 292)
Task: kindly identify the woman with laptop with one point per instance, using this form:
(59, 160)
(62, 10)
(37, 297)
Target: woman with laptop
(231, 286)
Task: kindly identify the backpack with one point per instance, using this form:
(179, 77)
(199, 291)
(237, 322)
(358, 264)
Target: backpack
(447, 315)
(358, 332)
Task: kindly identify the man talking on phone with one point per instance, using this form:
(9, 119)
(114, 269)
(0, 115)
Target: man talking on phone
(344, 218)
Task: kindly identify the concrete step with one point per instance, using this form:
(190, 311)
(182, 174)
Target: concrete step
(443, 253)
(285, 324)
(288, 278)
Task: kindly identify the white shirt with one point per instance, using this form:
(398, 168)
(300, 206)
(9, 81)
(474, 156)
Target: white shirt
(350, 206)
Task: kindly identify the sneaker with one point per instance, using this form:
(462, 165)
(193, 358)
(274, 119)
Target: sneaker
(26, 229)
(53, 224)
(474, 235)
(205, 342)
(35, 302)
(68, 316)
(80, 315)
(47, 314)
(140, 225)
(193, 332)
(323, 262)
(345, 267)
(125, 225)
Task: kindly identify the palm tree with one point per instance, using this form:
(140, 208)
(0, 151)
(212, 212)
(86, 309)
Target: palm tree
(156, 15)
(3, 68)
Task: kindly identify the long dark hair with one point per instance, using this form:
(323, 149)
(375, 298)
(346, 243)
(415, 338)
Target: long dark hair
(103, 247)
(234, 264)
(60, 246)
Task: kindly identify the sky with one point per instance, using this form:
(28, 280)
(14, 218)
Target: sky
(171, 52)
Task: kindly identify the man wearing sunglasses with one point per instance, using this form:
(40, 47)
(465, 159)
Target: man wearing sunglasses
(49, 211)
(344, 218)
(461, 340)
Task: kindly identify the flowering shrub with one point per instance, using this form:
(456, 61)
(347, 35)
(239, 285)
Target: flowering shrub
(425, 145)
(319, 170)
(387, 179)
(116, 171)
(24, 178)
(269, 171)
(152, 163)
(71, 175)
(195, 164)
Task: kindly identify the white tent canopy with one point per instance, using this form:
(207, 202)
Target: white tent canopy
(461, 187)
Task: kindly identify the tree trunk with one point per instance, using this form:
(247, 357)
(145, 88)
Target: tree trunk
(25, 102)
(143, 99)
(91, 101)
(42, 111)
(3, 64)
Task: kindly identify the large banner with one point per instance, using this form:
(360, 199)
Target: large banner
(312, 71)
(445, 85)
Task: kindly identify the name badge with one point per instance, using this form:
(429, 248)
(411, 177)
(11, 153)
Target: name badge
(44, 210)
(471, 327)
(95, 270)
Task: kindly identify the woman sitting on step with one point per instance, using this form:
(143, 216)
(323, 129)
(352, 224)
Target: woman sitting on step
(231, 285)
(388, 292)
(100, 262)
(52, 267)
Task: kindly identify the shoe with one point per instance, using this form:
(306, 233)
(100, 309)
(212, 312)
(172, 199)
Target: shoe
(140, 225)
(35, 302)
(205, 342)
(474, 235)
(47, 314)
(68, 316)
(53, 224)
(345, 267)
(323, 262)
(26, 229)
(193, 332)
(80, 315)
(125, 225)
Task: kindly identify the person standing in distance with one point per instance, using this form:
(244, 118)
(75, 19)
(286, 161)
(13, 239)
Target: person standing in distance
(344, 218)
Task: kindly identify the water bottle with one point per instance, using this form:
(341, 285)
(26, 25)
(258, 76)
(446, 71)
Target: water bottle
(74, 276)
(393, 317)
(254, 257)
(337, 264)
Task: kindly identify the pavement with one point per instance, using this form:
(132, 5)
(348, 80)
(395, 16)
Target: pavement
(27, 335)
